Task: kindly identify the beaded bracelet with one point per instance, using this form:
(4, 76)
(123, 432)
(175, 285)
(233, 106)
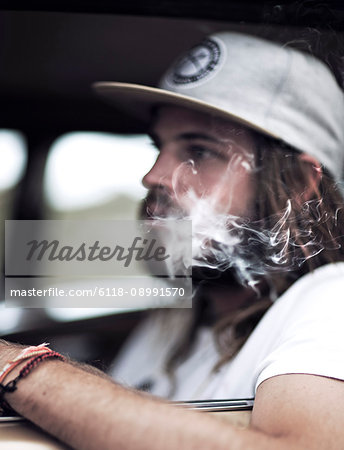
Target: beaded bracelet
(11, 386)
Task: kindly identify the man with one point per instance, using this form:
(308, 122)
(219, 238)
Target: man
(250, 147)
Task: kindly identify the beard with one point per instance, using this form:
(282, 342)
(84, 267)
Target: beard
(159, 204)
(207, 276)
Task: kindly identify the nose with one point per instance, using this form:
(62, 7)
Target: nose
(161, 173)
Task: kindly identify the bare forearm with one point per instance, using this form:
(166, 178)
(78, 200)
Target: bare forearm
(91, 412)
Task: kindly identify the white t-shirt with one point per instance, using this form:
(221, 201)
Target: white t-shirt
(302, 332)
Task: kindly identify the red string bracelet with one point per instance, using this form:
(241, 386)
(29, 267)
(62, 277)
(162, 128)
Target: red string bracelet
(11, 386)
(20, 358)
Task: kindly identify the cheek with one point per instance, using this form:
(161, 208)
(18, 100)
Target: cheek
(224, 189)
(208, 177)
(196, 181)
(237, 197)
(229, 191)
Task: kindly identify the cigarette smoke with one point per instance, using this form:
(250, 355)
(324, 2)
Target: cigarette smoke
(223, 241)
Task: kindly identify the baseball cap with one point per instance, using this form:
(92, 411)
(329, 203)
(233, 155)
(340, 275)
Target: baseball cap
(274, 89)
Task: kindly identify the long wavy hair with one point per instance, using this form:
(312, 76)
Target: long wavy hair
(315, 230)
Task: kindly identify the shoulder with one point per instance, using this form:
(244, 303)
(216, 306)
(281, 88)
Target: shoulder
(308, 336)
(324, 283)
(325, 277)
(320, 290)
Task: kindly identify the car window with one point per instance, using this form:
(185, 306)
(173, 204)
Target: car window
(96, 175)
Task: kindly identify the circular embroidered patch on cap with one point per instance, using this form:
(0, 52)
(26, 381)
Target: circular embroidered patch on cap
(197, 64)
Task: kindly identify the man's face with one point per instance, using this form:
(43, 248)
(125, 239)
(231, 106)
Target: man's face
(202, 160)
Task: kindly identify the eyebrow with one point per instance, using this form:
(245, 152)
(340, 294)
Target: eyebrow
(202, 136)
(187, 136)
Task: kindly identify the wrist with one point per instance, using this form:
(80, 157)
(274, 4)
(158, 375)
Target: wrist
(19, 362)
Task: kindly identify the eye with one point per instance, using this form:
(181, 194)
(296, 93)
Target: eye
(200, 153)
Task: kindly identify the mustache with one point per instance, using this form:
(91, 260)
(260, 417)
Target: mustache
(159, 203)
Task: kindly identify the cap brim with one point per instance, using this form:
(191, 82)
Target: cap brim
(138, 100)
